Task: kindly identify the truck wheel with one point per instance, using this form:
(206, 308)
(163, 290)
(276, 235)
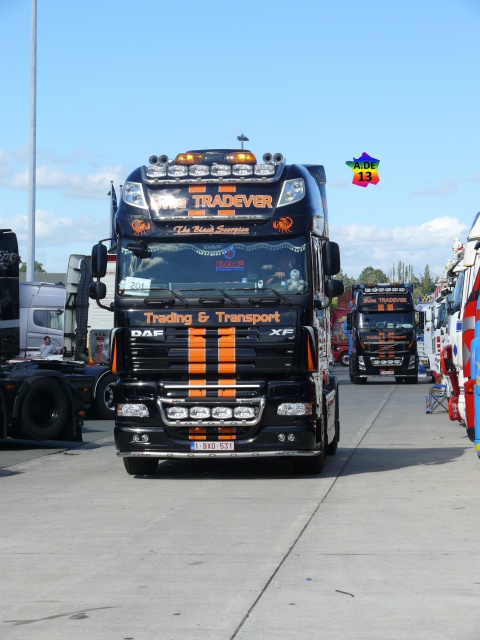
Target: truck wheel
(359, 380)
(104, 399)
(140, 466)
(344, 359)
(45, 410)
(412, 380)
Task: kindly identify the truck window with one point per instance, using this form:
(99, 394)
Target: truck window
(48, 318)
(151, 266)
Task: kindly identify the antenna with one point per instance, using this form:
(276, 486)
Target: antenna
(242, 138)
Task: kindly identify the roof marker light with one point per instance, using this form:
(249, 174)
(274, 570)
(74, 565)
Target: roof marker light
(189, 158)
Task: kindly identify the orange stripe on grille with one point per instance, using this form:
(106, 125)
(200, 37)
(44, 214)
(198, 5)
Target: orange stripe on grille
(381, 307)
(197, 189)
(226, 350)
(197, 393)
(227, 188)
(197, 433)
(226, 433)
(196, 212)
(226, 393)
(226, 212)
(196, 350)
(389, 307)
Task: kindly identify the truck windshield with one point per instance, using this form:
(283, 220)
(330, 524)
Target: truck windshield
(150, 265)
(382, 321)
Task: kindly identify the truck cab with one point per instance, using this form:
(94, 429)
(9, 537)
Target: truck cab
(223, 287)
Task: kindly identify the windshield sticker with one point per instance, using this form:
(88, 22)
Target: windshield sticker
(230, 265)
(134, 285)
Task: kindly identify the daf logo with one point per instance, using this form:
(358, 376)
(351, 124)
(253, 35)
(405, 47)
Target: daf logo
(281, 332)
(146, 333)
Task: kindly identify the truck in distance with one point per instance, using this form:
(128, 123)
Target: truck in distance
(382, 326)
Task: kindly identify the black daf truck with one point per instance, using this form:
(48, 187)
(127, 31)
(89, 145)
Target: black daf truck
(383, 333)
(221, 311)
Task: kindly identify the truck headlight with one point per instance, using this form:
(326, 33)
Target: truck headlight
(244, 413)
(177, 413)
(295, 409)
(132, 411)
(200, 413)
(133, 194)
(292, 191)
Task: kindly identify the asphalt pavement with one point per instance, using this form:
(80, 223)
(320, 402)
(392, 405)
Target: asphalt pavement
(381, 546)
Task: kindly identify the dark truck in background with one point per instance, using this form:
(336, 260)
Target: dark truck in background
(39, 399)
(383, 333)
(221, 305)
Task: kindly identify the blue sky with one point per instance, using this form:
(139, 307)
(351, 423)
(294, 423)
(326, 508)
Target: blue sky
(320, 82)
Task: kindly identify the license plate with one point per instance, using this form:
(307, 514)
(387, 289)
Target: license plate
(212, 446)
(386, 372)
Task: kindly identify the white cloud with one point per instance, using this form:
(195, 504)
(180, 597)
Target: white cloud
(339, 184)
(370, 245)
(57, 237)
(444, 188)
(91, 187)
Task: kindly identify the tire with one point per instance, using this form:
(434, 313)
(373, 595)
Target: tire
(412, 380)
(104, 398)
(344, 359)
(359, 380)
(470, 433)
(45, 410)
(399, 379)
(312, 465)
(332, 446)
(140, 466)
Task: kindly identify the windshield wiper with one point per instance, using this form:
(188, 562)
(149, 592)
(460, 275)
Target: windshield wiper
(158, 300)
(213, 300)
(279, 296)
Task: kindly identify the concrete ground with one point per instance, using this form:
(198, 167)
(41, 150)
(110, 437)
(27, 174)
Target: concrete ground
(381, 546)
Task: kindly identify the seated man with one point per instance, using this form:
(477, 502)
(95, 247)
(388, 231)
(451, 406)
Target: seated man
(46, 348)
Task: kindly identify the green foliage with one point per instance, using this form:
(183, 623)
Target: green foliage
(422, 285)
(38, 267)
(369, 274)
(348, 282)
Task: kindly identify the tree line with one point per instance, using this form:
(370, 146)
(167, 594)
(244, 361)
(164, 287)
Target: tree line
(422, 284)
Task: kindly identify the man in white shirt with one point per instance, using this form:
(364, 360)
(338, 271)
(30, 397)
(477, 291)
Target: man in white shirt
(47, 348)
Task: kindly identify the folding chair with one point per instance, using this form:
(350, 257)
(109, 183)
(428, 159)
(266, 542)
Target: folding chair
(437, 397)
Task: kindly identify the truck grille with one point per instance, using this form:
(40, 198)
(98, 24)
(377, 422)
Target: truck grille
(207, 351)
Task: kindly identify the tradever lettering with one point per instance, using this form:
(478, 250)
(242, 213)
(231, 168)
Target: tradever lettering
(237, 201)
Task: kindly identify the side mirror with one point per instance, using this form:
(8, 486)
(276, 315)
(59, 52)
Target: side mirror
(349, 322)
(334, 288)
(97, 290)
(99, 261)
(331, 258)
